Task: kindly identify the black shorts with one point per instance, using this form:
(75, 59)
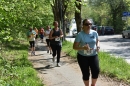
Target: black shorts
(36, 36)
(41, 36)
(32, 43)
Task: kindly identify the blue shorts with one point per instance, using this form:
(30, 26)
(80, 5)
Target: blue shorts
(41, 36)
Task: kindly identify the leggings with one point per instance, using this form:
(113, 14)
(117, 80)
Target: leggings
(88, 63)
(56, 49)
(48, 42)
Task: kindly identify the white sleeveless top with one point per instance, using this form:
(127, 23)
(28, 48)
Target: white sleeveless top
(47, 32)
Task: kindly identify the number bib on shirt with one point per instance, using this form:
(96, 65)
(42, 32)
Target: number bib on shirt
(32, 35)
(57, 39)
(88, 52)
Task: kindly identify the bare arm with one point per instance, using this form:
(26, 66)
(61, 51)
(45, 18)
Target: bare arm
(61, 34)
(98, 45)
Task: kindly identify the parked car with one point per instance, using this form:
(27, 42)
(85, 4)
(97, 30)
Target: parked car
(126, 33)
(99, 30)
(107, 30)
(94, 27)
(74, 32)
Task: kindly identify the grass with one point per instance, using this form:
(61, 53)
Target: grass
(16, 69)
(110, 65)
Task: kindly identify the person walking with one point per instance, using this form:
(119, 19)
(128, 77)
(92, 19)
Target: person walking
(31, 34)
(36, 38)
(103, 30)
(87, 44)
(55, 36)
(47, 32)
(41, 33)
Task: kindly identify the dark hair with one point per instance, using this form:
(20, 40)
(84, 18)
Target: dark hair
(30, 28)
(84, 21)
(55, 22)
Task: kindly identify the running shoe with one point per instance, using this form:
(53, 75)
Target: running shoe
(58, 65)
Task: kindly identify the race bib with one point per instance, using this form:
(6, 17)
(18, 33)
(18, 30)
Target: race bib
(32, 35)
(57, 39)
(88, 52)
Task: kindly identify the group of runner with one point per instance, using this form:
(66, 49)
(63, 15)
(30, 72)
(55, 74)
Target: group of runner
(34, 34)
(53, 40)
(86, 43)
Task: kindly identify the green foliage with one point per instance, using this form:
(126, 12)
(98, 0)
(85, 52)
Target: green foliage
(17, 15)
(15, 18)
(16, 69)
(107, 12)
(70, 13)
(114, 66)
(20, 76)
(5, 35)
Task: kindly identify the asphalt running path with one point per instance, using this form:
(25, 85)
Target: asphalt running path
(67, 75)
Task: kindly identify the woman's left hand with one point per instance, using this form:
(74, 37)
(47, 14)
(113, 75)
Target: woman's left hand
(98, 48)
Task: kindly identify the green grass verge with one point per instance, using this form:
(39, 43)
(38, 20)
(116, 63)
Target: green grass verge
(15, 68)
(109, 64)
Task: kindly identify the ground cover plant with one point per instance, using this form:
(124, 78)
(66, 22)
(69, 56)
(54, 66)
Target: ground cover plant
(15, 68)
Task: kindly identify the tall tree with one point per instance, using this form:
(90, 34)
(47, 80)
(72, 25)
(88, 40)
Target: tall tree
(78, 14)
(17, 15)
(114, 12)
(117, 7)
(59, 9)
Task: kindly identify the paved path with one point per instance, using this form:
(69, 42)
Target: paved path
(67, 75)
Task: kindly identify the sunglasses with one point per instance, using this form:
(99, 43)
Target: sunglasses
(87, 24)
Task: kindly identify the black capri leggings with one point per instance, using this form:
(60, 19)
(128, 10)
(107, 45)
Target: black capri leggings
(87, 63)
(48, 42)
(32, 44)
(56, 49)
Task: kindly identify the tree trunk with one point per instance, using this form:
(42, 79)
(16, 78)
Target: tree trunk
(59, 9)
(55, 9)
(78, 15)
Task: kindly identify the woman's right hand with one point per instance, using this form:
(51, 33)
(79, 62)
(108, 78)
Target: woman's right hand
(56, 36)
(86, 47)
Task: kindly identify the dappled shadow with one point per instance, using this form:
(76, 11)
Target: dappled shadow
(39, 54)
(124, 53)
(64, 56)
(41, 48)
(124, 44)
(115, 40)
(44, 68)
(38, 60)
(122, 47)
